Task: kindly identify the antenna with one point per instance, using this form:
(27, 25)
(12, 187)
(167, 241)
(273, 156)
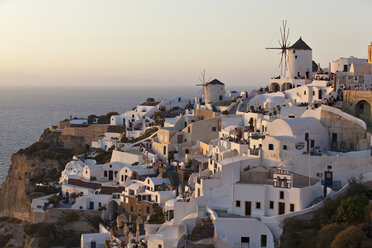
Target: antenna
(283, 46)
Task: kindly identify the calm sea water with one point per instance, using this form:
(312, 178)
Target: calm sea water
(26, 112)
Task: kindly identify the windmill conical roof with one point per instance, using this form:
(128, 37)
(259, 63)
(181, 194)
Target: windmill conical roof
(300, 45)
(216, 81)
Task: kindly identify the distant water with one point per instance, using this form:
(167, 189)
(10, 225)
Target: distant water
(26, 112)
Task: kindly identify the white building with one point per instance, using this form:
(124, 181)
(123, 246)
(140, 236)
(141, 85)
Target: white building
(94, 240)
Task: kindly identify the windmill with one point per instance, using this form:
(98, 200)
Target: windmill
(204, 84)
(283, 46)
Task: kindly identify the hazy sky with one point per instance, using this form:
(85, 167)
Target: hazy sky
(164, 42)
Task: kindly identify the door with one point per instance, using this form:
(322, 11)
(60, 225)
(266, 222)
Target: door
(334, 142)
(111, 175)
(281, 208)
(248, 206)
(93, 244)
(91, 205)
(320, 96)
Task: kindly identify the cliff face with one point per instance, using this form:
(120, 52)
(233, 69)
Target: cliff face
(41, 162)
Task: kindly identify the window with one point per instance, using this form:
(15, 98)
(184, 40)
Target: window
(122, 178)
(244, 239)
(263, 240)
(284, 147)
(292, 207)
(313, 93)
(312, 143)
(306, 136)
(281, 195)
(86, 171)
(131, 209)
(271, 147)
(294, 51)
(214, 129)
(304, 93)
(164, 150)
(148, 210)
(105, 173)
(296, 57)
(99, 204)
(160, 246)
(271, 204)
(189, 129)
(237, 204)
(258, 205)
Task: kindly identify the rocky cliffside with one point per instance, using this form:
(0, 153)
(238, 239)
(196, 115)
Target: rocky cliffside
(41, 162)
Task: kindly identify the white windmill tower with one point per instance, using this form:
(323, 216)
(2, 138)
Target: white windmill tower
(204, 83)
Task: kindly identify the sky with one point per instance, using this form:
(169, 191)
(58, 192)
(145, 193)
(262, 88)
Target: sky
(165, 43)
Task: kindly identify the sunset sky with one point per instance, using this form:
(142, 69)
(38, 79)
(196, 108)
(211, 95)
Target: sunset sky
(168, 42)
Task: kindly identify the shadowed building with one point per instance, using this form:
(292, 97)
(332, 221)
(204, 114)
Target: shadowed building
(358, 104)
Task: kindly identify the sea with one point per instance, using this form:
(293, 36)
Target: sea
(26, 111)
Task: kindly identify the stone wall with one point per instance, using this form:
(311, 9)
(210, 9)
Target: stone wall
(137, 207)
(343, 134)
(90, 133)
(352, 102)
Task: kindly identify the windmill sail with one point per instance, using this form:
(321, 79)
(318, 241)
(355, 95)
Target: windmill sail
(283, 46)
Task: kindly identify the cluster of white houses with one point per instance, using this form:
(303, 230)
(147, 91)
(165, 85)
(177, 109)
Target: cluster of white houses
(253, 160)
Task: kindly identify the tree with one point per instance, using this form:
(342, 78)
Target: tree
(251, 124)
(351, 210)
(327, 234)
(352, 237)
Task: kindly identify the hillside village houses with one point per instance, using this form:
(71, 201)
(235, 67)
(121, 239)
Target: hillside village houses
(242, 162)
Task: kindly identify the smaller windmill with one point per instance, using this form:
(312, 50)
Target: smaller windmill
(204, 83)
(283, 46)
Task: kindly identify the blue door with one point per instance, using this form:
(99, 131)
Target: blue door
(93, 244)
(91, 205)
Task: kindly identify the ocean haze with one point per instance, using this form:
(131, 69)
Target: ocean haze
(26, 111)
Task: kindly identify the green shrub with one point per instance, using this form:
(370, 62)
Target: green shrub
(54, 200)
(71, 216)
(351, 210)
(352, 237)
(327, 234)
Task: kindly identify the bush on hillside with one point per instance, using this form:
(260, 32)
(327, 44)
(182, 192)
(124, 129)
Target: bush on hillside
(352, 237)
(351, 210)
(327, 234)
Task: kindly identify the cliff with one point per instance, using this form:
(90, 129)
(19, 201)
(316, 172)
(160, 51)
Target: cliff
(41, 162)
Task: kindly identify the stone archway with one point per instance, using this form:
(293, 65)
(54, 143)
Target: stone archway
(112, 211)
(363, 110)
(274, 87)
(286, 86)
